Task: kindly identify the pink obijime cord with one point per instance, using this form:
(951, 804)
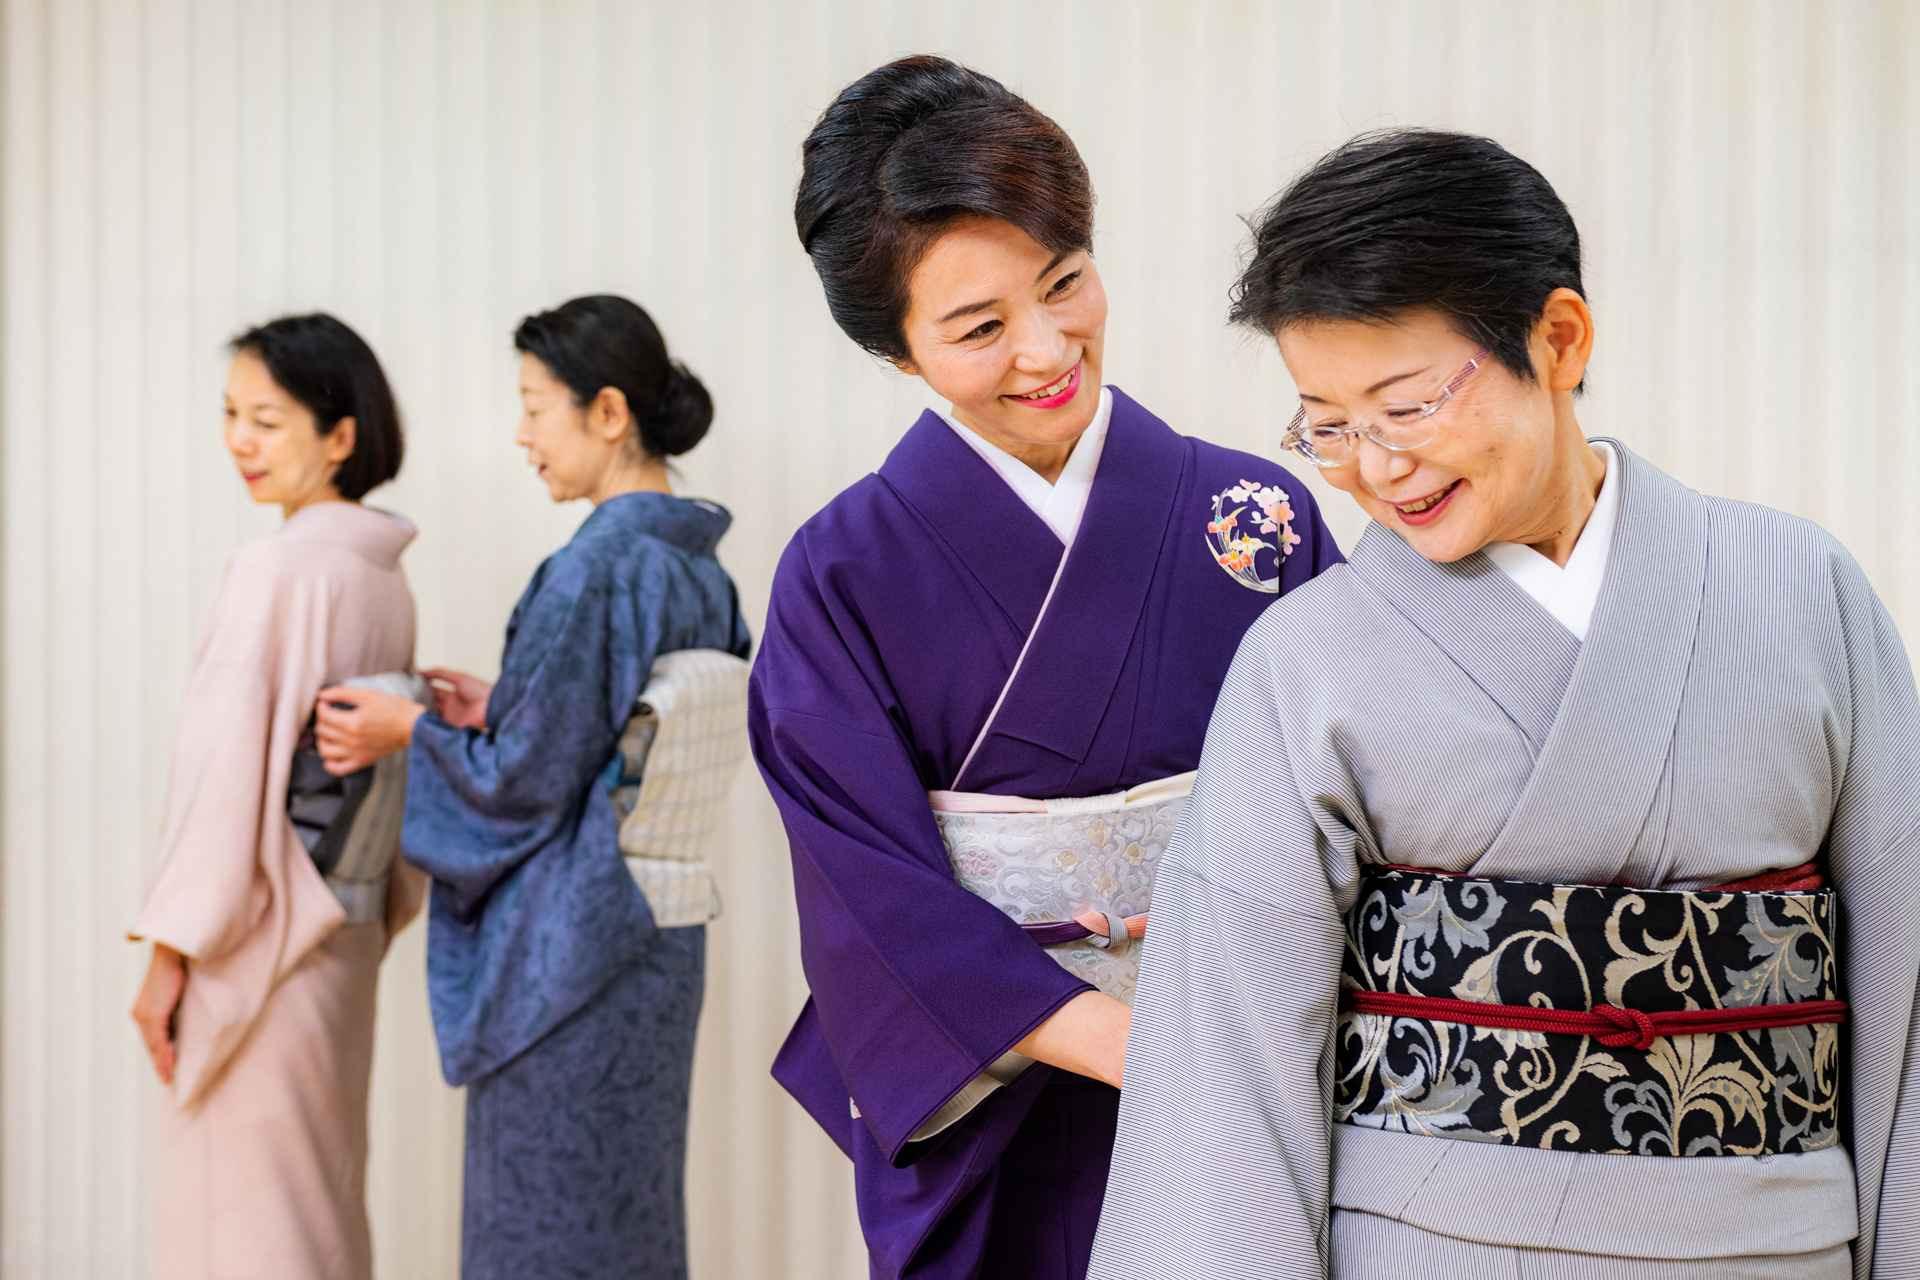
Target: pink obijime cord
(1105, 929)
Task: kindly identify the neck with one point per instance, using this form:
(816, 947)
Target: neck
(1045, 460)
(1574, 484)
(648, 475)
(288, 510)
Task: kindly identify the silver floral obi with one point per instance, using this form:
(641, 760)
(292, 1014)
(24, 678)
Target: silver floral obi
(1076, 873)
(678, 758)
(1593, 1018)
(351, 826)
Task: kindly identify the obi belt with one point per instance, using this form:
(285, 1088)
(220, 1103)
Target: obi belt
(1593, 1018)
(351, 826)
(1076, 873)
(678, 758)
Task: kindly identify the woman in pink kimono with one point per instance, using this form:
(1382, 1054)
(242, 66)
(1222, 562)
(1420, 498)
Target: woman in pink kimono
(257, 1008)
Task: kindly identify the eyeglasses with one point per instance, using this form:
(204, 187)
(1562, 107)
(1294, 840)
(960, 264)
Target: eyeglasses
(1404, 426)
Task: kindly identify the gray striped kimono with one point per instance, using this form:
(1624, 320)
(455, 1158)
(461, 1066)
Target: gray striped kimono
(1742, 703)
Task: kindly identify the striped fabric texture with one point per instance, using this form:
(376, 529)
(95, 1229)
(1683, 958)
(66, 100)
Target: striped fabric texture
(1742, 703)
(678, 758)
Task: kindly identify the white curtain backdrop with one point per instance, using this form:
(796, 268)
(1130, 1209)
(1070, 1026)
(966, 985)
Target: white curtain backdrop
(431, 170)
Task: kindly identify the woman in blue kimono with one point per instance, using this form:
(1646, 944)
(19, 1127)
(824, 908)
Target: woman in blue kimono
(560, 1004)
(1033, 600)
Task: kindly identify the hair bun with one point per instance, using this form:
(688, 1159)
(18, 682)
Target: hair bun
(679, 420)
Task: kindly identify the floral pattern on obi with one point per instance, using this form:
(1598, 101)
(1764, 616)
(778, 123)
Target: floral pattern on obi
(1574, 947)
(1249, 521)
(1045, 867)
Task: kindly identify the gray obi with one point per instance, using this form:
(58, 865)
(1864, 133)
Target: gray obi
(351, 826)
(678, 759)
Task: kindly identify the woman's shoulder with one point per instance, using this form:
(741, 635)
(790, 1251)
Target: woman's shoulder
(860, 529)
(1780, 551)
(1218, 469)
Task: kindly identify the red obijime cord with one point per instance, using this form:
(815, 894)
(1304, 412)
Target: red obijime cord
(1610, 1025)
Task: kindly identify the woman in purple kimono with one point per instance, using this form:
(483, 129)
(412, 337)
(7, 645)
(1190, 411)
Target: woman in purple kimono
(1023, 617)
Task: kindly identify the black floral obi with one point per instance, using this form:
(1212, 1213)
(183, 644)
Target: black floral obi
(1591, 1017)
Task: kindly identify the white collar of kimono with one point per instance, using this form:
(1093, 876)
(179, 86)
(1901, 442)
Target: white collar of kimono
(1569, 593)
(1060, 504)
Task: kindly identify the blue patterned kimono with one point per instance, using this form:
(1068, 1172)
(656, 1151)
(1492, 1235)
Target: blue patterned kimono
(555, 999)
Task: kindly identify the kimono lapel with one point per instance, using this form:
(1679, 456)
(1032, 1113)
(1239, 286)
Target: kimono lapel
(1008, 549)
(1065, 682)
(1585, 806)
(1515, 651)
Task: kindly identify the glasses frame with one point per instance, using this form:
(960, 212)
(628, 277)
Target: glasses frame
(1295, 437)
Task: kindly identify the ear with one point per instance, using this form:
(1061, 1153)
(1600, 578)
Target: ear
(905, 365)
(341, 439)
(1564, 339)
(609, 416)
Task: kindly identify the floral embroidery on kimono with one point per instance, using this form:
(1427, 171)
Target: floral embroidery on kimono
(1268, 527)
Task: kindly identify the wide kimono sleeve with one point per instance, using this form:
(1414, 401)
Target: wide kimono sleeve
(1222, 1160)
(237, 894)
(1873, 845)
(918, 986)
(481, 802)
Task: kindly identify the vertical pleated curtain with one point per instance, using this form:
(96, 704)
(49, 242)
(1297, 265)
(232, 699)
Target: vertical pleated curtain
(431, 170)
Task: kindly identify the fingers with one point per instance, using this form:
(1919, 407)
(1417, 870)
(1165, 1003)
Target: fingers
(336, 734)
(156, 1036)
(340, 750)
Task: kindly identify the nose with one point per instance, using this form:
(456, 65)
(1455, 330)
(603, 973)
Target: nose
(1039, 343)
(1380, 467)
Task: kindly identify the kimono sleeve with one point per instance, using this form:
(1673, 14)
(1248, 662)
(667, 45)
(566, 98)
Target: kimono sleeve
(1873, 844)
(480, 802)
(1222, 1160)
(212, 889)
(918, 985)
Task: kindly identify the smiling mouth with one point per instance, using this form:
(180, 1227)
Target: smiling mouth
(1429, 502)
(1055, 393)
(1428, 509)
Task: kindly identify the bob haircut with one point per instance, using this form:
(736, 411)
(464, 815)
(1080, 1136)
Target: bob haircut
(1406, 219)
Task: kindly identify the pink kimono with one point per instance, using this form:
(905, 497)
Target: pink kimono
(263, 1150)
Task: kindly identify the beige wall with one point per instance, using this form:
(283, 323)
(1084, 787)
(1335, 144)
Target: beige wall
(1742, 171)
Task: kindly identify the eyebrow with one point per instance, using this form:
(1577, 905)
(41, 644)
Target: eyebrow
(1378, 386)
(973, 307)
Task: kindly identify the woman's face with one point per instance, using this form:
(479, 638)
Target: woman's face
(569, 445)
(275, 443)
(1009, 331)
(1495, 470)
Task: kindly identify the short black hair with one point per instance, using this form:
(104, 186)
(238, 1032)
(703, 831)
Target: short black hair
(604, 340)
(1402, 219)
(321, 362)
(903, 152)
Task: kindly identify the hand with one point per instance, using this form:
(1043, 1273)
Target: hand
(458, 698)
(356, 728)
(1087, 1036)
(155, 1005)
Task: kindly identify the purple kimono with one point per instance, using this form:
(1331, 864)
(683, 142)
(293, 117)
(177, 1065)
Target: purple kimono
(897, 613)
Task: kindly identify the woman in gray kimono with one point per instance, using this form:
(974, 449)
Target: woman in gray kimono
(1500, 935)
